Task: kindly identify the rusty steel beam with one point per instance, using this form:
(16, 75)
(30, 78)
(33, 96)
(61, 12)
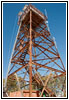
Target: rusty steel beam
(21, 39)
(44, 41)
(50, 68)
(17, 70)
(16, 61)
(60, 75)
(50, 59)
(17, 47)
(60, 58)
(37, 54)
(42, 35)
(38, 35)
(45, 84)
(38, 81)
(44, 48)
(42, 59)
(22, 50)
(30, 62)
(37, 25)
(62, 63)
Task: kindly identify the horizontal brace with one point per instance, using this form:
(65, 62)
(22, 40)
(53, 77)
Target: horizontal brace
(53, 69)
(43, 59)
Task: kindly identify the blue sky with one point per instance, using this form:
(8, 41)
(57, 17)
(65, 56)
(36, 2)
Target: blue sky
(57, 24)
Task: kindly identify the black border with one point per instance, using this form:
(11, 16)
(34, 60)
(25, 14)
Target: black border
(2, 45)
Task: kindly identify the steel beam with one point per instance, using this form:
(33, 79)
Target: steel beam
(45, 84)
(30, 53)
(22, 50)
(60, 75)
(17, 70)
(44, 48)
(50, 68)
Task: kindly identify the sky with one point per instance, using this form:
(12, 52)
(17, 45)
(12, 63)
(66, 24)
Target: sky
(57, 23)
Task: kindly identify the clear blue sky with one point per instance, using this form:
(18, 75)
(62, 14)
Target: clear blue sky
(57, 23)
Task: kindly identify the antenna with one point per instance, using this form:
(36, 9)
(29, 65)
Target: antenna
(46, 14)
(47, 20)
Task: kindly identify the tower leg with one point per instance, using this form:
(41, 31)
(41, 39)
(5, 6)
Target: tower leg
(30, 63)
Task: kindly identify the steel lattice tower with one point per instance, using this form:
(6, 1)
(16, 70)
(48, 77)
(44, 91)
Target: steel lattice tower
(34, 49)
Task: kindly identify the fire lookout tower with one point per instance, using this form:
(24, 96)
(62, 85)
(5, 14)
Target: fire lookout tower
(35, 53)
